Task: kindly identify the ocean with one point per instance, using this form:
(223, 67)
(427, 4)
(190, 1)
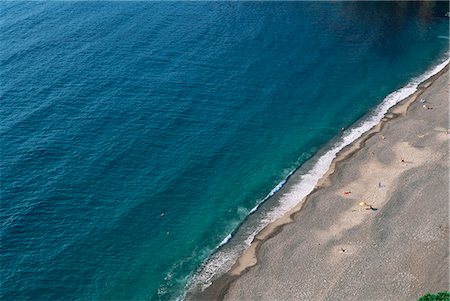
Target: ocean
(141, 141)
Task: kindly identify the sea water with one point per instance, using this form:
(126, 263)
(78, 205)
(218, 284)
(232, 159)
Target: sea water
(137, 136)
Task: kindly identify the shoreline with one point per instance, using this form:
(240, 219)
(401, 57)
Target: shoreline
(250, 258)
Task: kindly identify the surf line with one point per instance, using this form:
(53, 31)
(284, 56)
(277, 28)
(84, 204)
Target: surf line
(309, 181)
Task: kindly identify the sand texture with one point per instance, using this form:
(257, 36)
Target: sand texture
(337, 250)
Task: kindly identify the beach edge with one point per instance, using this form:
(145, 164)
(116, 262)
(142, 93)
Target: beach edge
(249, 259)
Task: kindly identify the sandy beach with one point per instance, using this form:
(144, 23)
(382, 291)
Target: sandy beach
(375, 228)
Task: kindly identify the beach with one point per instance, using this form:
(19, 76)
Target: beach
(149, 146)
(376, 225)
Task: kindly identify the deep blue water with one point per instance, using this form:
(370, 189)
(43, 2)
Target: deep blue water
(135, 136)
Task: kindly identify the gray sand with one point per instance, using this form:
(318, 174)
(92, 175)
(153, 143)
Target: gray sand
(337, 250)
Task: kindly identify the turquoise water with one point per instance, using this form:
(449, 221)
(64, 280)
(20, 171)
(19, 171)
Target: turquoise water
(135, 136)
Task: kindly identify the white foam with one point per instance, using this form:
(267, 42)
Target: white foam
(278, 187)
(221, 261)
(272, 192)
(308, 181)
(225, 240)
(254, 209)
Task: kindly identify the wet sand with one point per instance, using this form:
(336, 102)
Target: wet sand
(330, 247)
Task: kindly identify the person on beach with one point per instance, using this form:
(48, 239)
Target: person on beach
(366, 206)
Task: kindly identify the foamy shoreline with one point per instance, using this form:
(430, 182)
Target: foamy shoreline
(322, 168)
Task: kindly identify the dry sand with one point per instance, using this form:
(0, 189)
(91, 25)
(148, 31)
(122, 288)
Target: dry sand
(336, 250)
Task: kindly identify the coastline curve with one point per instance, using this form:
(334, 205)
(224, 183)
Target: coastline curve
(352, 140)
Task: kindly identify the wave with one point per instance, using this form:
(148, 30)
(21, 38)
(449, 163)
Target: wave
(272, 192)
(225, 240)
(222, 260)
(254, 209)
(308, 181)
